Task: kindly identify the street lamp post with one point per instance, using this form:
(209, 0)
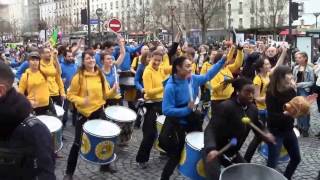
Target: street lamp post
(88, 23)
(316, 15)
(172, 8)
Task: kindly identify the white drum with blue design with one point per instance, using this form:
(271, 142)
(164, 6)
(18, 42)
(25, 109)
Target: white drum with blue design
(191, 164)
(55, 127)
(98, 141)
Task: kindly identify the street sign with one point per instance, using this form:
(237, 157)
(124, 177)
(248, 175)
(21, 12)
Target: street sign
(94, 21)
(99, 12)
(115, 25)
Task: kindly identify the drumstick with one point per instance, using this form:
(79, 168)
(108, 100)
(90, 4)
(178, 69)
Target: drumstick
(190, 91)
(233, 142)
(247, 120)
(115, 74)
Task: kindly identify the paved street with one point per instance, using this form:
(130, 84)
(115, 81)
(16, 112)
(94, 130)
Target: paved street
(128, 169)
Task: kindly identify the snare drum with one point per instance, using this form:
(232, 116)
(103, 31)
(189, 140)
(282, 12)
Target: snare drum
(55, 127)
(250, 171)
(191, 164)
(284, 157)
(160, 122)
(123, 117)
(98, 141)
(59, 110)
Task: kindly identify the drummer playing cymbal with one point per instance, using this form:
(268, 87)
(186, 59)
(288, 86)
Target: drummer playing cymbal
(228, 123)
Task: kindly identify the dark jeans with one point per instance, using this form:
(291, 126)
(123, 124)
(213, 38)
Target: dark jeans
(74, 152)
(213, 168)
(303, 121)
(289, 140)
(174, 155)
(66, 107)
(256, 139)
(149, 130)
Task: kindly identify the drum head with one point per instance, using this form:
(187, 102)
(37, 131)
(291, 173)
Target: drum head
(250, 171)
(195, 140)
(101, 128)
(53, 123)
(160, 119)
(59, 110)
(120, 114)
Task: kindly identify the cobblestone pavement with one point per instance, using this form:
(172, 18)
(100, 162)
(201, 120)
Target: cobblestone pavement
(128, 169)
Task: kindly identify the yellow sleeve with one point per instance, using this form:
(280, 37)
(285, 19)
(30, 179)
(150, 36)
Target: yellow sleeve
(147, 82)
(217, 83)
(60, 84)
(134, 62)
(237, 63)
(167, 70)
(230, 53)
(23, 83)
(204, 68)
(110, 92)
(165, 60)
(74, 91)
(257, 81)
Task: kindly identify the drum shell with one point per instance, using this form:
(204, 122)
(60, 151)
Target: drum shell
(126, 82)
(91, 155)
(191, 164)
(159, 124)
(56, 134)
(125, 124)
(284, 157)
(251, 171)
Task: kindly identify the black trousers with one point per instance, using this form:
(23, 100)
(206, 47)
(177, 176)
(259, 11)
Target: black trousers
(66, 106)
(213, 168)
(149, 129)
(181, 131)
(74, 152)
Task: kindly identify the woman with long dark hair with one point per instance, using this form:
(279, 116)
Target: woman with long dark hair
(88, 91)
(282, 89)
(178, 107)
(261, 82)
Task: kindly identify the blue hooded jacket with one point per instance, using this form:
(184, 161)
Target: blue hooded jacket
(125, 66)
(176, 93)
(138, 82)
(68, 70)
(21, 69)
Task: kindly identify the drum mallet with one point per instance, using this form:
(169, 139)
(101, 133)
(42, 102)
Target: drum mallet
(247, 120)
(232, 143)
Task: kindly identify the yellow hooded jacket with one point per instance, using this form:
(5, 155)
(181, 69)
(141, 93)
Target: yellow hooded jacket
(36, 88)
(88, 84)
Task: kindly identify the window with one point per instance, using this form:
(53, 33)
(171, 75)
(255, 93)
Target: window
(111, 5)
(261, 21)
(271, 5)
(252, 22)
(280, 20)
(240, 23)
(252, 7)
(272, 20)
(117, 4)
(240, 8)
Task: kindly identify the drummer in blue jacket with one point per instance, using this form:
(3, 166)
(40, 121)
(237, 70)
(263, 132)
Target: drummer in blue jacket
(178, 107)
(125, 66)
(68, 70)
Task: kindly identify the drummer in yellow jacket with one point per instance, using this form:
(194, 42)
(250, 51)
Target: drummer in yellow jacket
(33, 85)
(88, 91)
(153, 88)
(220, 84)
(190, 53)
(50, 68)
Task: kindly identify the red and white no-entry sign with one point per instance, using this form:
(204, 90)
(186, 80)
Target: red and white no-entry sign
(115, 25)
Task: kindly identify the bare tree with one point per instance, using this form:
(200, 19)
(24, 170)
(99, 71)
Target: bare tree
(204, 11)
(273, 14)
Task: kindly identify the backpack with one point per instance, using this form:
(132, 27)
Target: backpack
(17, 159)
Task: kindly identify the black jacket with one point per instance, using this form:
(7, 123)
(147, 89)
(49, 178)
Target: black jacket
(14, 109)
(226, 124)
(277, 121)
